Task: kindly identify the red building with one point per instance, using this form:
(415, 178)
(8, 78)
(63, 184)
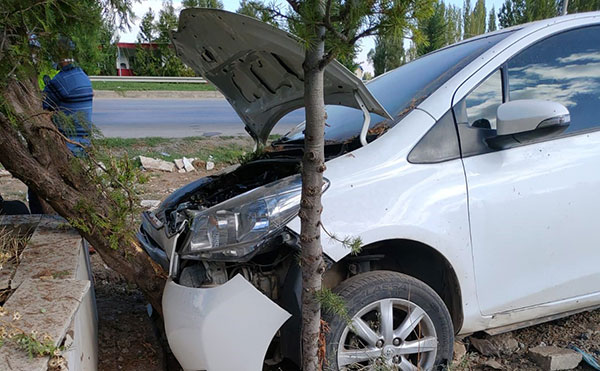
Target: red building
(126, 55)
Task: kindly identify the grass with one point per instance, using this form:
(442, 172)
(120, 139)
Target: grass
(140, 86)
(224, 150)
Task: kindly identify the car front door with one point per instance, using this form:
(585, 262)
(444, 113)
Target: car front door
(534, 207)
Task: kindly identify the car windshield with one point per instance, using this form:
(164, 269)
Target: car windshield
(401, 90)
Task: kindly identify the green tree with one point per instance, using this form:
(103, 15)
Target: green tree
(147, 32)
(467, 15)
(258, 10)
(387, 54)
(478, 19)
(434, 30)
(329, 29)
(217, 4)
(453, 24)
(514, 12)
(578, 6)
(99, 202)
(492, 20)
(159, 59)
(167, 21)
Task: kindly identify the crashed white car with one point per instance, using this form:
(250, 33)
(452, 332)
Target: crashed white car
(472, 176)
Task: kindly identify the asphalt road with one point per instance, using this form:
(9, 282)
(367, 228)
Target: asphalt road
(174, 118)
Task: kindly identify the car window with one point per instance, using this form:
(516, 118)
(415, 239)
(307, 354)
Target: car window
(563, 68)
(482, 103)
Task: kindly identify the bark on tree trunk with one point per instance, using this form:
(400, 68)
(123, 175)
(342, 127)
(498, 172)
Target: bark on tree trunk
(32, 150)
(313, 166)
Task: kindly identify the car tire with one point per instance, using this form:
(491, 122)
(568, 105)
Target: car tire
(366, 297)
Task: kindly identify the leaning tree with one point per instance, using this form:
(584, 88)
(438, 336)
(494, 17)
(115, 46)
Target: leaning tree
(99, 199)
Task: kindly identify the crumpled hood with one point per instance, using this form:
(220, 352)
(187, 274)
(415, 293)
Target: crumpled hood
(258, 67)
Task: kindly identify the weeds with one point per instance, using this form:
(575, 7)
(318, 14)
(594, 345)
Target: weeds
(33, 343)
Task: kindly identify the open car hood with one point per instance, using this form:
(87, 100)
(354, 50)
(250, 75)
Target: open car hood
(259, 67)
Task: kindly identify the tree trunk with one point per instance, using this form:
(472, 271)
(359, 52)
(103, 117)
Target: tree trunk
(32, 150)
(313, 166)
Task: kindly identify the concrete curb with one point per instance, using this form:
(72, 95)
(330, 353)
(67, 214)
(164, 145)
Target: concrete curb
(157, 94)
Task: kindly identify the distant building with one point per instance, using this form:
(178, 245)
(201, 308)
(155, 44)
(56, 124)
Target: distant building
(126, 55)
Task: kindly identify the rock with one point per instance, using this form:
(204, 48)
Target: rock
(459, 351)
(495, 345)
(149, 163)
(4, 173)
(492, 363)
(181, 171)
(179, 163)
(484, 346)
(210, 165)
(505, 343)
(554, 358)
(199, 164)
(150, 204)
(187, 165)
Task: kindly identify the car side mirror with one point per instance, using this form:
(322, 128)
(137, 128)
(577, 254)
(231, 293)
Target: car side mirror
(527, 115)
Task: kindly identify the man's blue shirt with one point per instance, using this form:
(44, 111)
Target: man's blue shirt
(70, 92)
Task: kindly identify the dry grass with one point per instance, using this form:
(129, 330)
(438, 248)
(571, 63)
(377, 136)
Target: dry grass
(12, 243)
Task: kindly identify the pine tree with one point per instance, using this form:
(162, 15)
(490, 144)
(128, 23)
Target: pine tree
(434, 29)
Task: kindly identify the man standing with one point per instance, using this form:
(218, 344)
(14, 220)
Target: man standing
(70, 95)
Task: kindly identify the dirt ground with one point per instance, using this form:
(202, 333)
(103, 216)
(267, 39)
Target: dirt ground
(128, 340)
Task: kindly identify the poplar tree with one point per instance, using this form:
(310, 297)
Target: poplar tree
(492, 21)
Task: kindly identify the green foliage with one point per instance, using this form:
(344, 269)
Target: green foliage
(467, 15)
(347, 22)
(388, 54)
(333, 303)
(453, 24)
(434, 29)
(217, 4)
(578, 6)
(257, 9)
(159, 59)
(514, 12)
(32, 343)
(492, 20)
(150, 86)
(478, 18)
(147, 32)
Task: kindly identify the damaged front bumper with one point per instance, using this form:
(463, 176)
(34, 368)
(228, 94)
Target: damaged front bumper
(222, 328)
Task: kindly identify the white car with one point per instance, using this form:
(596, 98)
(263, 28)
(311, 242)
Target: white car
(472, 176)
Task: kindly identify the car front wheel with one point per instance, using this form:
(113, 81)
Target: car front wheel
(394, 322)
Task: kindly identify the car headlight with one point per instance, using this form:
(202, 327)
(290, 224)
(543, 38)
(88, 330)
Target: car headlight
(236, 227)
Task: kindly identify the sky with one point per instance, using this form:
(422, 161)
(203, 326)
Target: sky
(365, 45)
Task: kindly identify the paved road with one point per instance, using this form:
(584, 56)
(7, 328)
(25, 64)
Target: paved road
(174, 118)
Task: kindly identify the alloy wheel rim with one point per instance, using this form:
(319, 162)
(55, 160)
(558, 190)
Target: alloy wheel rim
(388, 334)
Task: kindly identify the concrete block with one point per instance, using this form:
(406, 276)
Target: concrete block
(551, 358)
